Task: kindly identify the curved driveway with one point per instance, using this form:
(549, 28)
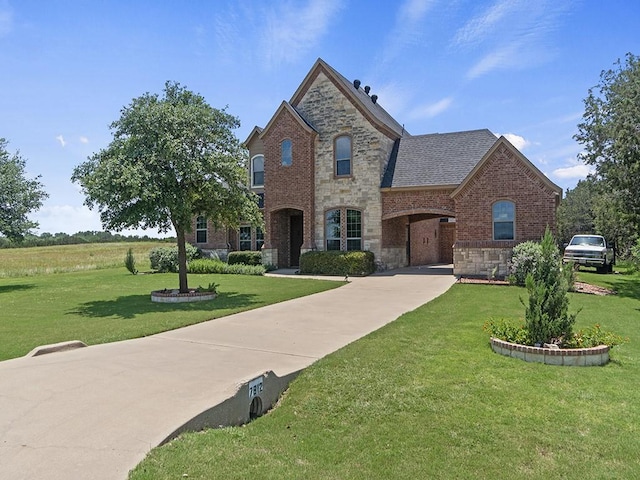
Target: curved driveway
(96, 412)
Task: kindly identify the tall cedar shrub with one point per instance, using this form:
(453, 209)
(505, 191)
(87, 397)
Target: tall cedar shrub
(130, 262)
(547, 315)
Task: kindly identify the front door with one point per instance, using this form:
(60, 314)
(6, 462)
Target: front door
(295, 239)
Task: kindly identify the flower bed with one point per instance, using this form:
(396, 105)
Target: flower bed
(577, 357)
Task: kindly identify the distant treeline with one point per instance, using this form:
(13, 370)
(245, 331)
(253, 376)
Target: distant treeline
(49, 239)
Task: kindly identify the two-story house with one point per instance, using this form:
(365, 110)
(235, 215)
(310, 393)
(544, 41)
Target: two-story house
(337, 172)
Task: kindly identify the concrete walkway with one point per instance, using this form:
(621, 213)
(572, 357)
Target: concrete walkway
(95, 412)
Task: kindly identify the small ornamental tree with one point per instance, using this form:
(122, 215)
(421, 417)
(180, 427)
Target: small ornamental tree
(18, 195)
(171, 158)
(547, 317)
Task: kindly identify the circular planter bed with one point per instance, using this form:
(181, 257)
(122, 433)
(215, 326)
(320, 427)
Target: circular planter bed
(174, 296)
(576, 357)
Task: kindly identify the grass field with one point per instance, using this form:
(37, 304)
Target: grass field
(425, 397)
(98, 304)
(20, 262)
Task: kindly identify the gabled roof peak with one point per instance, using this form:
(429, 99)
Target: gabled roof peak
(367, 104)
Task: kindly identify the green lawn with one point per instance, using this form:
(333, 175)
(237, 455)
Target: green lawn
(110, 304)
(425, 397)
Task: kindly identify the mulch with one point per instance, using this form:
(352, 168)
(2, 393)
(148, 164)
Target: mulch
(579, 287)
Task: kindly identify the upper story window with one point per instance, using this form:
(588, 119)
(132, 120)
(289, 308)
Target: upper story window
(504, 216)
(286, 156)
(343, 229)
(342, 153)
(201, 229)
(257, 171)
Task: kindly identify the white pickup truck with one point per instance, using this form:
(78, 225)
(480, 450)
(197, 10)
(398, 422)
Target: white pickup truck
(590, 251)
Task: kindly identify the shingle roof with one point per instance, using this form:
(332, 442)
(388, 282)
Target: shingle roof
(436, 159)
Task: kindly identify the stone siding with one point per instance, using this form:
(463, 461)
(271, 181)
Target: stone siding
(480, 261)
(330, 112)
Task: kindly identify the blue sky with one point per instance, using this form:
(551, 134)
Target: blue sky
(518, 67)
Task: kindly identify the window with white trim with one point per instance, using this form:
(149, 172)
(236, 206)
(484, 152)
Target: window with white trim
(257, 171)
(201, 229)
(504, 216)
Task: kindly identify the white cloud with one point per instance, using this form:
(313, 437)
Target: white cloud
(511, 34)
(577, 171)
(72, 219)
(67, 219)
(62, 141)
(84, 140)
(484, 24)
(292, 31)
(500, 58)
(6, 18)
(431, 110)
(408, 27)
(516, 140)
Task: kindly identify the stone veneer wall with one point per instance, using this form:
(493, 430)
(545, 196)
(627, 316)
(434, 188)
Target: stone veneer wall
(480, 261)
(330, 112)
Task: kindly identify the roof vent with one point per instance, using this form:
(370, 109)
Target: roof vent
(367, 89)
(374, 98)
(356, 84)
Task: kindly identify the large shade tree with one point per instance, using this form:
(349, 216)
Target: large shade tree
(610, 133)
(172, 157)
(18, 195)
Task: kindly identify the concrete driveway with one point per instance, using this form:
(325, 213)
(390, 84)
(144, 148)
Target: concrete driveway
(95, 412)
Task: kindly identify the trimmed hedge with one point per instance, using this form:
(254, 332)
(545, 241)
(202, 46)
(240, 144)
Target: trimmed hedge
(208, 265)
(247, 257)
(337, 263)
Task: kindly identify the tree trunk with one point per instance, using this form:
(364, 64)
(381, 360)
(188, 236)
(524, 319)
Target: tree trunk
(182, 261)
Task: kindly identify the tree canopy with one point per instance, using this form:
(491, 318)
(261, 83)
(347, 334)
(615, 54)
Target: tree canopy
(610, 132)
(171, 158)
(18, 195)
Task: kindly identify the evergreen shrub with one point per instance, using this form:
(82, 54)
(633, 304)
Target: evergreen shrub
(246, 257)
(337, 263)
(165, 259)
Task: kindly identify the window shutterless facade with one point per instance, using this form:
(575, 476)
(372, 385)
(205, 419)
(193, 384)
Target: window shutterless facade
(343, 229)
(257, 171)
(504, 216)
(201, 229)
(245, 238)
(259, 238)
(342, 154)
(286, 152)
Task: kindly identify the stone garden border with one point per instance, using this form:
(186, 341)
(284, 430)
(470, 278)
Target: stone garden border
(575, 357)
(174, 296)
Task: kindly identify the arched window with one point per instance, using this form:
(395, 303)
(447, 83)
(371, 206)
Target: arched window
(201, 229)
(257, 171)
(286, 154)
(342, 153)
(504, 216)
